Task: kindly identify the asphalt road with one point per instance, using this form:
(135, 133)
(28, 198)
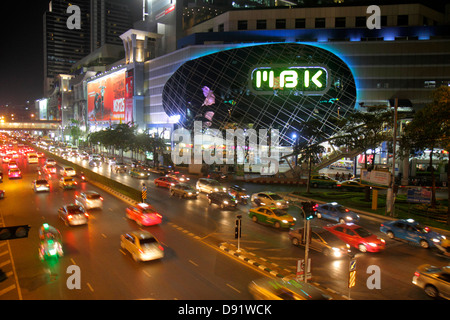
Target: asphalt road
(193, 267)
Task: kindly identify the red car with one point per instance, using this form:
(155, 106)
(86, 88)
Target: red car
(165, 182)
(357, 237)
(144, 214)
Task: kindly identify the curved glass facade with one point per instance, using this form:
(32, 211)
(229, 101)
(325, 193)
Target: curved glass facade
(279, 86)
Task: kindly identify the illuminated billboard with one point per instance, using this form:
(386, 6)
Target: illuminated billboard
(108, 99)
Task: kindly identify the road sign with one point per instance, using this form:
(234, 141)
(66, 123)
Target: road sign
(144, 193)
(352, 279)
(352, 265)
(301, 269)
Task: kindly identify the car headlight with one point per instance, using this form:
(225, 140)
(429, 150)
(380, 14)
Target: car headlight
(284, 221)
(372, 244)
(349, 218)
(336, 252)
(216, 190)
(225, 202)
(278, 203)
(436, 240)
(190, 193)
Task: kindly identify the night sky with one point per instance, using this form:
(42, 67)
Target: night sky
(21, 54)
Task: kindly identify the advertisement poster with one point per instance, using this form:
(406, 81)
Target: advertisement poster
(107, 98)
(376, 178)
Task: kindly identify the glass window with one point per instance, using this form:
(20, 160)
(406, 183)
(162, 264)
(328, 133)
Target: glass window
(280, 24)
(320, 23)
(360, 21)
(339, 22)
(261, 24)
(300, 23)
(242, 24)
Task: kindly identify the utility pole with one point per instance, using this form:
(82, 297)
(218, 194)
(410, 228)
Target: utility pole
(390, 192)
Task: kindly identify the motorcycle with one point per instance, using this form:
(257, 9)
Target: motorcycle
(83, 177)
(51, 242)
(239, 194)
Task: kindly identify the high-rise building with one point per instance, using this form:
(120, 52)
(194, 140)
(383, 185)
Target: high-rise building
(101, 22)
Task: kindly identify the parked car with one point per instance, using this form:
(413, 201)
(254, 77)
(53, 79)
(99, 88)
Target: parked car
(223, 199)
(73, 214)
(89, 200)
(272, 215)
(357, 237)
(321, 240)
(350, 185)
(209, 185)
(41, 185)
(317, 181)
(142, 245)
(412, 231)
(269, 198)
(183, 190)
(435, 281)
(336, 212)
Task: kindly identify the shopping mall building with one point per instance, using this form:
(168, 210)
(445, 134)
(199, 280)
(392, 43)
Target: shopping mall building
(271, 68)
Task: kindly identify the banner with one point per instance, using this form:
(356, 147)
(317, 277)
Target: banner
(107, 98)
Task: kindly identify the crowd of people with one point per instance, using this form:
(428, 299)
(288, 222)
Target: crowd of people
(342, 176)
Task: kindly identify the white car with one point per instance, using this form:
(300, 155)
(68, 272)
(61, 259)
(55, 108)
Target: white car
(67, 172)
(209, 185)
(41, 185)
(89, 200)
(268, 198)
(142, 245)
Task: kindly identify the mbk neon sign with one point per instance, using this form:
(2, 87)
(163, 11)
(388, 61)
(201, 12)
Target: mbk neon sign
(305, 79)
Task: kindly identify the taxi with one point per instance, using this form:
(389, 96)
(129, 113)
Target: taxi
(67, 172)
(165, 182)
(272, 215)
(49, 168)
(142, 245)
(67, 183)
(139, 173)
(144, 214)
(12, 164)
(357, 237)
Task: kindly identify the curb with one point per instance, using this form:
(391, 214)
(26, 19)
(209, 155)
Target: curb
(242, 255)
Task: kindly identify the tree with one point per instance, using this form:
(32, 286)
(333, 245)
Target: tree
(430, 128)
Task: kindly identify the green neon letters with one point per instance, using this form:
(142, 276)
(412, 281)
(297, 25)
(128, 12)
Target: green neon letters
(305, 79)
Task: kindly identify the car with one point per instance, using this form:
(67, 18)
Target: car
(142, 245)
(14, 173)
(321, 240)
(165, 182)
(67, 183)
(32, 158)
(350, 185)
(336, 212)
(209, 185)
(13, 164)
(50, 161)
(111, 161)
(95, 157)
(89, 200)
(83, 156)
(272, 215)
(6, 159)
(94, 163)
(178, 176)
(144, 214)
(317, 181)
(223, 199)
(268, 198)
(119, 167)
(183, 190)
(139, 173)
(41, 185)
(49, 168)
(412, 231)
(435, 281)
(239, 193)
(68, 172)
(281, 289)
(73, 214)
(357, 237)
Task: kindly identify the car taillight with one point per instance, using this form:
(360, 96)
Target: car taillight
(161, 247)
(86, 214)
(417, 273)
(101, 198)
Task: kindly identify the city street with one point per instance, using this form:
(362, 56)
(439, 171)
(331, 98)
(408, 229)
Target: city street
(193, 266)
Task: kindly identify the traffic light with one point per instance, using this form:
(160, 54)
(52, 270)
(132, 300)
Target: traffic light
(309, 209)
(14, 232)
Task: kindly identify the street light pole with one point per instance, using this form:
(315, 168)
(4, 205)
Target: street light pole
(390, 192)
